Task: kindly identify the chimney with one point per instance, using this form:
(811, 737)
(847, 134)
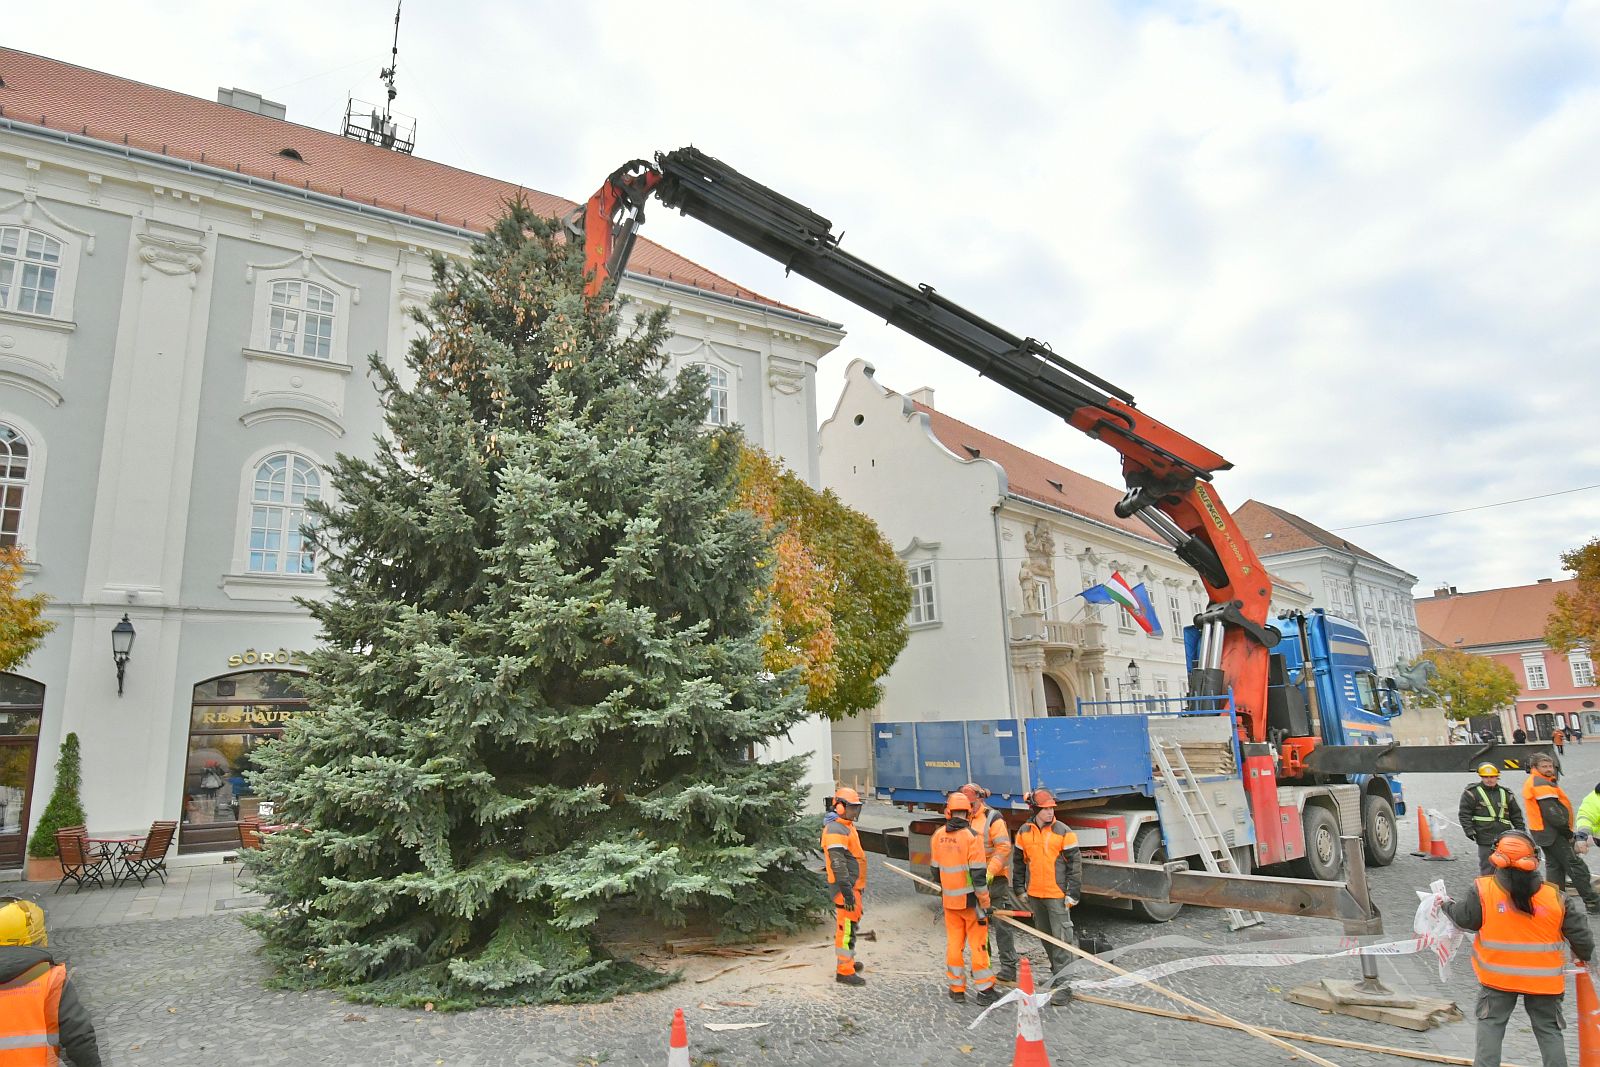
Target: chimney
(245, 100)
(1444, 591)
(923, 396)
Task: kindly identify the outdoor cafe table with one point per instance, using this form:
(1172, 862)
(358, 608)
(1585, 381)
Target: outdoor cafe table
(116, 848)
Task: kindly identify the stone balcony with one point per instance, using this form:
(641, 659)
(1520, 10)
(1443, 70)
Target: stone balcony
(1083, 638)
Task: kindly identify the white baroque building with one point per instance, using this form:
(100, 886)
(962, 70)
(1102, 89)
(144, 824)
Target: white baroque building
(998, 543)
(188, 294)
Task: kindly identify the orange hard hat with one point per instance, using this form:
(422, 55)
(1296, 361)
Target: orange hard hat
(1042, 798)
(974, 791)
(1515, 849)
(957, 801)
(845, 795)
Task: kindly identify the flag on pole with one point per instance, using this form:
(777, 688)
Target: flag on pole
(1133, 598)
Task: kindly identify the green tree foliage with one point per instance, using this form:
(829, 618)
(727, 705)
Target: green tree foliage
(22, 622)
(1470, 685)
(66, 803)
(1574, 621)
(839, 599)
(543, 675)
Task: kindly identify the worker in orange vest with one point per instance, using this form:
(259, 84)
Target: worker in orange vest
(1047, 865)
(1550, 821)
(991, 826)
(960, 865)
(846, 863)
(1521, 924)
(40, 1013)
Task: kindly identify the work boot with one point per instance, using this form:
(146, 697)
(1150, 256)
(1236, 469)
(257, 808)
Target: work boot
(1008, 977)
(959, 998)
(1061, 997)
(985, 997)
(849, 979)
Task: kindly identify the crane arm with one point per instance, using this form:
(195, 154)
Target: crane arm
(1167, 473)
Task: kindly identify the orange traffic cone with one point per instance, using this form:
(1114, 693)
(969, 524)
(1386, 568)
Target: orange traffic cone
(678, 1047)
(1030, 1031)
(1588, 1023)
(1424, 835)
(1437, 849)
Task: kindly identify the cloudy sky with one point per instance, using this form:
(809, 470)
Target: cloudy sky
(1354, 247)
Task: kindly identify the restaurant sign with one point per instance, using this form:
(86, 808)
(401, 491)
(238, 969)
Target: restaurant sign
(251, 658)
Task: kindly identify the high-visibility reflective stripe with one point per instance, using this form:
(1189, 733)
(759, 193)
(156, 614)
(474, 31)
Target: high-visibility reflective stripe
(963, 891)
(978, 976)
(1532, 972)
(845, 953)
(953, 975)
(1517, 946)
(845, 847)
(953, 868)
(30, 1040)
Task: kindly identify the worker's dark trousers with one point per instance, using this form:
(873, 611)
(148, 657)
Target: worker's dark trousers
(1050, 916)
(1494, 1011)
(1563, 867)
(1005, 940)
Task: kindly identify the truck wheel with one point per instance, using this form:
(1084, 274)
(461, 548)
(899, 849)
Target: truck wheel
(1324, 858)
(1148, 848)
(1380, 838)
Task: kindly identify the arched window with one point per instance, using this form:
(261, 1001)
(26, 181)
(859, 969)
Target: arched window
(14, 455)
(283, 485)
(30, 266)
(300, 320)
(717, 390)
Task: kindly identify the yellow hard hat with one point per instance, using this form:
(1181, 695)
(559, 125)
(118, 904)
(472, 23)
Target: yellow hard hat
(21, 923)
(1488, 770)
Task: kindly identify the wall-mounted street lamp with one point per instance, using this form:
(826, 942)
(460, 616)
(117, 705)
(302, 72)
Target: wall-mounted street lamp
(122, 636)
(1133, 677)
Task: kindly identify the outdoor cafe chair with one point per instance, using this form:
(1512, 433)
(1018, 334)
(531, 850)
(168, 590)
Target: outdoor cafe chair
(151, 855)
(78, 863)
(249, 838)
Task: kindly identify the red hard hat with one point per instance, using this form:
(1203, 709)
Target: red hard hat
(1042, 798)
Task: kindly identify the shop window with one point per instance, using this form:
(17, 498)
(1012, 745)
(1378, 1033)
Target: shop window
(283, 484)
(14, 457)
(230, 718)
(21, 709)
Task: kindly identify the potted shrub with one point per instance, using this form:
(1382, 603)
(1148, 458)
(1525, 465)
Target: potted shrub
(65, 809)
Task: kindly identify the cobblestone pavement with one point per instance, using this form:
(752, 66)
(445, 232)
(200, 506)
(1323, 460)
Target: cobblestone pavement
(188, 991)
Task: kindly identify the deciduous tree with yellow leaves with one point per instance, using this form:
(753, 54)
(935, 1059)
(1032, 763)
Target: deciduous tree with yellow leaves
(1470, 685)
(839, 595)
(22, 622)
(1575, 620)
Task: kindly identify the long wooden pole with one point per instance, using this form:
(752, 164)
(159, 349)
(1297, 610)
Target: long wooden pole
(1232, 1023)
(1338, 1042)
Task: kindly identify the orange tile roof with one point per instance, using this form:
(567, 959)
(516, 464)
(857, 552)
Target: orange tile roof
(46, 92)
(1490, 617)
(1033, 477)
(1272, 531)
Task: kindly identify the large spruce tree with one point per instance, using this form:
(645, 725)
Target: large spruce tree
(542, 681)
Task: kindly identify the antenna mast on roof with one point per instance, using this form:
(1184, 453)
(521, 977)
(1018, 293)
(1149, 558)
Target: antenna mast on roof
(364, 122)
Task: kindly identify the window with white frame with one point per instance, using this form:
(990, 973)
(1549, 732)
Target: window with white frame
(14, 457)
(1582, 669)
(1176, 610)
(1124, 620)
(282, 486)
(300, 319)
(1162, 693)
(1042, 598)
(1090, 610)
(30, 267)
(717, 392)
(1533, 668)
(924, 602)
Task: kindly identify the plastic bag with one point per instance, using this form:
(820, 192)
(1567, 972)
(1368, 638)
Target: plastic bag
(1433, 925)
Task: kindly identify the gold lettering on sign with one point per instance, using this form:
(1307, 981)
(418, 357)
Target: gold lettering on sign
(1216, 520)
(251, 658)
(940, 763)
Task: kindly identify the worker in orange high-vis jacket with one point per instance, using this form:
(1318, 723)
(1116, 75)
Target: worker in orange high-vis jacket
(1523, 925)
(961, 868)
(1548, 812)
(847, 874)
(1048, 867)
(40, 1014)
(991, 826)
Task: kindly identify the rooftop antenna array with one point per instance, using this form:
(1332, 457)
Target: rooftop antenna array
(364, 122)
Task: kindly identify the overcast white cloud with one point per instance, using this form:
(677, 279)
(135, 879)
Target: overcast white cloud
(1352, 247)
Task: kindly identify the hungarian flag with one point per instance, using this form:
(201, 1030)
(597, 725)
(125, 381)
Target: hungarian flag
(1134, 600)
